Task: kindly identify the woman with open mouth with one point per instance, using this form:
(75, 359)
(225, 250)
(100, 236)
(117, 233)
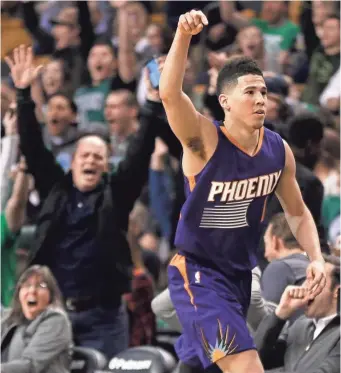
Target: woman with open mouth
(36, 335)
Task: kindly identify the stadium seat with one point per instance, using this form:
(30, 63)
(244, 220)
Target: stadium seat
(145, 359)
(166, 338)
(87, 360)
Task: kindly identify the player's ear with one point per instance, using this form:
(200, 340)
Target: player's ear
(224, 102)
(278, 244)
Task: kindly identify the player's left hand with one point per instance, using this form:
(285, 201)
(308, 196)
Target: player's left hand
(316, 277)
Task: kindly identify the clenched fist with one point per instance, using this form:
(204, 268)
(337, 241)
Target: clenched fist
(191, 23)
(292, 299)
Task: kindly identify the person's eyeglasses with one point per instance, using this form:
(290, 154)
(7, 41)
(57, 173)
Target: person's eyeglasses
(41, 285)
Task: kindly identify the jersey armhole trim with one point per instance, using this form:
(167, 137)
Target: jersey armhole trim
(264, 208)
(191, 182)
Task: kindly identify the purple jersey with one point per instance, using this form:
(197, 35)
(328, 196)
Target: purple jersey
(220, 223)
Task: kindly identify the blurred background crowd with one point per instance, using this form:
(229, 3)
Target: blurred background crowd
(94, 80)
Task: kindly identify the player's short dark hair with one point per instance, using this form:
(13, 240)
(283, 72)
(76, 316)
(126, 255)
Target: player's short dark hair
(72, 104)
(280, 229)
(234, 68)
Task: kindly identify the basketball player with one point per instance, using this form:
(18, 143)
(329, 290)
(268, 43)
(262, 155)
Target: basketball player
(231, 170)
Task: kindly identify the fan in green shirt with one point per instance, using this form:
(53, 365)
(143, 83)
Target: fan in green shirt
(106, 74)
(283, 36)
(12, 219)
(324, 62)
(279, 33)
(8, 262)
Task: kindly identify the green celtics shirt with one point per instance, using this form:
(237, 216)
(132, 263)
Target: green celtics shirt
(283, 36)
(90, 101)
(8, 263)
(276, 39)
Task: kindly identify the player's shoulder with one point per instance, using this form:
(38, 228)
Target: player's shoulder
(271, 132)
(271, 135)
(274, 144)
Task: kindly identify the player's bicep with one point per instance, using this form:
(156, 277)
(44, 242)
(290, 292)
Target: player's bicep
(189, 126)
(288, 191)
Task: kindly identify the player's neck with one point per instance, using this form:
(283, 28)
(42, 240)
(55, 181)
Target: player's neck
(247, 138)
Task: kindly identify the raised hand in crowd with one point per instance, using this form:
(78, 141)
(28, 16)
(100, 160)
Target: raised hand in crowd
(161, 149)
(161, 62)
(16, 206)
(23, 71)
(10, 120)
(9, 151)
(217, 60)
(152, 94)
(293, 298)
(158, 157)
(213, 77)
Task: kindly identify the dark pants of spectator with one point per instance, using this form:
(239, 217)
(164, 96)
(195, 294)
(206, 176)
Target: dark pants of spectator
(104, 329)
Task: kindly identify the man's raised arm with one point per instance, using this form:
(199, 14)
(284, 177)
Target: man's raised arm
(190, 127)
(40, 162)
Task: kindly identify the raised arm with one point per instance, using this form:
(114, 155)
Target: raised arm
(196, 133)
(15, 209)
(127, 65)
(9, 152)
(31, 20)
(87, 34)
(40, 162)
(301, 222)
(231, 16)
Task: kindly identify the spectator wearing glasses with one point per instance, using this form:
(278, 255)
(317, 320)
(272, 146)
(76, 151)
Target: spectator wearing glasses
(36, 335)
